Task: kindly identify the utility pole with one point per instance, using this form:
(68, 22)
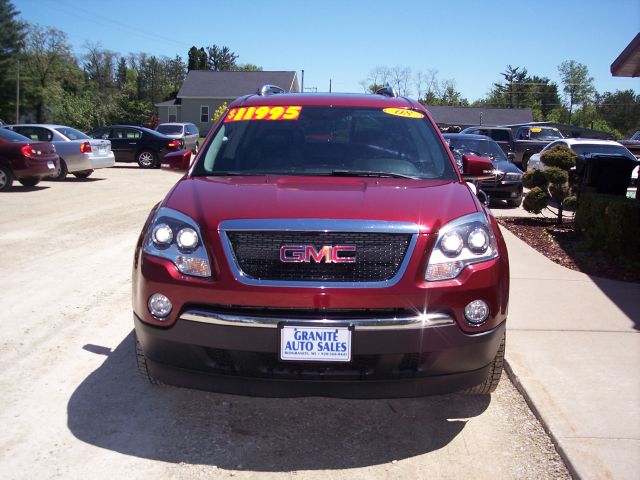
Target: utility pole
(18, 93)
(329, 85)
(302, 89)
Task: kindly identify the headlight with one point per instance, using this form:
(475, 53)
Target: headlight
(462, 242)
(513, 177)
(176, 237)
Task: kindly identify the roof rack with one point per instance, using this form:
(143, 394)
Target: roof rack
(387, 91)
(266, 90)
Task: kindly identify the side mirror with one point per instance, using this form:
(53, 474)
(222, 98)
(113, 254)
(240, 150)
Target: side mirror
(178, 160)
(476, 168)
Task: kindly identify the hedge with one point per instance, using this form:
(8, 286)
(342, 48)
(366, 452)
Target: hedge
(610, 223)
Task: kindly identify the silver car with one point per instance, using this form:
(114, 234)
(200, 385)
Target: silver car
(79, 153)
(187, 132)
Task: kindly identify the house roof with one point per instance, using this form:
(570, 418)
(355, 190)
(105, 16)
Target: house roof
(168, 103)
(445, 115)
(208, 84)
(628, 62)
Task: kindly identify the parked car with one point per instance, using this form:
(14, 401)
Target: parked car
(24, 160)
(137, 144)
(519, 148)
(322, 245)
(633, 143)
(583, 146)
(507, 184)
(79, 154)
(187, 132)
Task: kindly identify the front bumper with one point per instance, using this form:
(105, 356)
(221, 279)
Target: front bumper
(503, 190)
(237, 357)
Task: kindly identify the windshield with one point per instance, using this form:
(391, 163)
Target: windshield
(583, 149)
(170, 129)
(297, 140)
(542, 132)
(72, 133)
(475, 146)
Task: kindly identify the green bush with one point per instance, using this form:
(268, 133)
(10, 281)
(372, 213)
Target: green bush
(559, 156)
(536, 200)
(610, 223)
(570, 204)
(556, 176)
(534, 178)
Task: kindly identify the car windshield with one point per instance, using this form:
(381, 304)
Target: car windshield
(297, 140)
(11, 136)
(472, 146)
(72, 133)
(546, 133)
(170, 129)
(583, 149)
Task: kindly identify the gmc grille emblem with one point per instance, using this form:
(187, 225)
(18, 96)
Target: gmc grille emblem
(308, 253)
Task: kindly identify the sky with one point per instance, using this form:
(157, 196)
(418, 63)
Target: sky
(470, 42)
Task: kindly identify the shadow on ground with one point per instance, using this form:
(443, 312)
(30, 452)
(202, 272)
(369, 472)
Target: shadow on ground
(115, 409)
(624, 294)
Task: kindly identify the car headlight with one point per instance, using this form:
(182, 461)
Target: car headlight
(513, 177)
(176, 237)
(464, 241)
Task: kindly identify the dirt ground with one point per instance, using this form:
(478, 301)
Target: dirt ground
(73, 406)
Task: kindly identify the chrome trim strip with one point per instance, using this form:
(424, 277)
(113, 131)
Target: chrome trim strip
(404, 323)
(316, 225)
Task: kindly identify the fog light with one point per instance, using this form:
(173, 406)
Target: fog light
(476, 312)
(159, 305)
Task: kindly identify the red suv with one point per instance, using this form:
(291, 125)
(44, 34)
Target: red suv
(322, 245)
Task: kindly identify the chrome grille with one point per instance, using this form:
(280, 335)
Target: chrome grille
(378, 256)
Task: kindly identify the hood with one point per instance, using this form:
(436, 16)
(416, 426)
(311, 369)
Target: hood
(428, 203)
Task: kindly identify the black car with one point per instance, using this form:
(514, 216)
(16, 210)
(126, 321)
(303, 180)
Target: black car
(507, 184)
(137, 144)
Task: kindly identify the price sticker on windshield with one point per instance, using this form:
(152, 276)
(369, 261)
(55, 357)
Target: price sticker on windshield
(403, 112)
(263, 113)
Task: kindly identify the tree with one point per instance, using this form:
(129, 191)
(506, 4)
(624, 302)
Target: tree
(578, 85)
(12, 34)
(620, 110)
(221, 58)
(99, 65)
(121, 73)
(551, 183)
(248, 67)
(47, 60)
(192, 59)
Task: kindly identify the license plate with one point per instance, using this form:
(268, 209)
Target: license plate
(51, 166)
(102, 149)
(315, 344)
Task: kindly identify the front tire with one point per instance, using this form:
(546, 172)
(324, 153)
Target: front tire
(195, 149)
(30, 181)
(495, 371)
(83, 173)
(141, 361)
(6, 179)
(146, 159)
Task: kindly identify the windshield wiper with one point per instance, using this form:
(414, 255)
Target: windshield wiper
(370, 173)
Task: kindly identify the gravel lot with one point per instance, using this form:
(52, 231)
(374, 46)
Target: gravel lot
(73, 406)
